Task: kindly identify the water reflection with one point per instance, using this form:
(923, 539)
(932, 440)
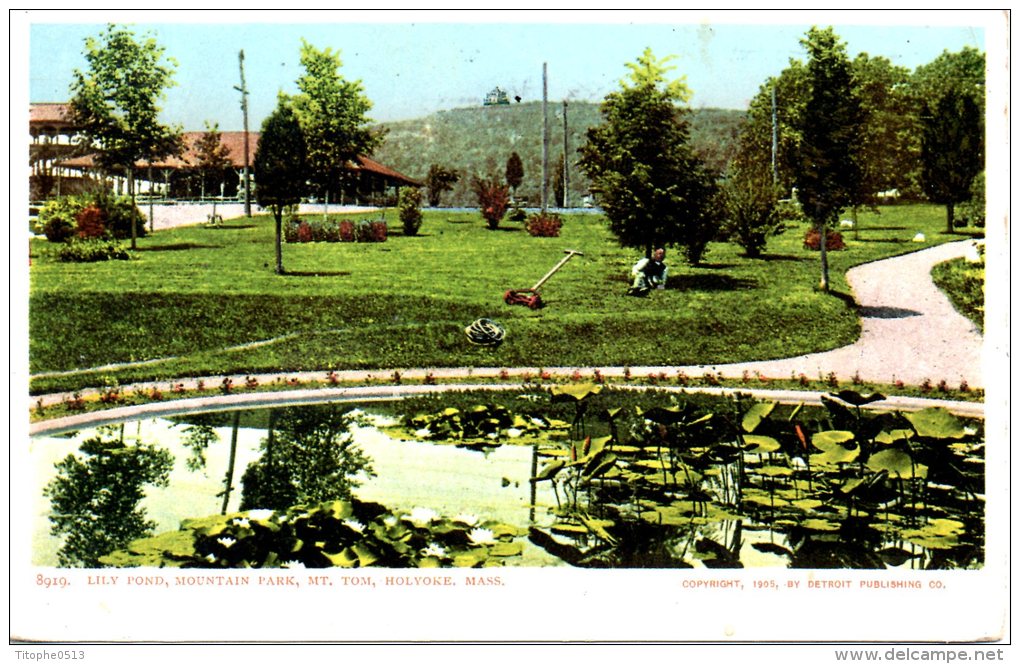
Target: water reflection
(96, 495)
(568, 480)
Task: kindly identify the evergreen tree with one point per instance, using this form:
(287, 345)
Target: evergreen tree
(653, 188)
(514, 172)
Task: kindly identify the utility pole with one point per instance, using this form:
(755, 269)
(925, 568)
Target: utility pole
(566, 167)
(244, 110)
(775, 138)
(545, 139)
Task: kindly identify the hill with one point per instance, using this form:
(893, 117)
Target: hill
(479, 140)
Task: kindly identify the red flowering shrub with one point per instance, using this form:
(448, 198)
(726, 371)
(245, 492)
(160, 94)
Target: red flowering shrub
(543, 225)
(304, 232)
(91, 222)
(493, 200)
(347, 231)
(833, 240)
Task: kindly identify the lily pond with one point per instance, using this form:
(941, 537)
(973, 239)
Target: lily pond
(579, 475)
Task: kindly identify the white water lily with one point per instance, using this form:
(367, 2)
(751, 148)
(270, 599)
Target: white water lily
(466, 519)
(422, 516)
(242, 522)
(423, 433)
(355, 525)
(481, 536)
(434, 549)
(227, 542)
(293, 564)
(259, 514)
(514, 433)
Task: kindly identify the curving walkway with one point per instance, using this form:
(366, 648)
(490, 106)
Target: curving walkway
(910, 332)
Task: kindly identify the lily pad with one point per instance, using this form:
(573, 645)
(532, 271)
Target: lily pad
(754, 416)
(760, 444)
(896, 461)
(936, 423)
(574, 391)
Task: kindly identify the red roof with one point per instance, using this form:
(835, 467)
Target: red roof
(49, 112)
(233, 140)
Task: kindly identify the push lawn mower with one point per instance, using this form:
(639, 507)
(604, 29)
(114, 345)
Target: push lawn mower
(529, 297)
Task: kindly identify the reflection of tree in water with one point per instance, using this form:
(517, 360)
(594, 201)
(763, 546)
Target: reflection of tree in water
(95, 498)
(308, 456)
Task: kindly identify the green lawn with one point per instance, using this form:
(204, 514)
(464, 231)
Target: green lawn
(964, 284)
(195, 293)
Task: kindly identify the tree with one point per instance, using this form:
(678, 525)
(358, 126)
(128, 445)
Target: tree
(952, 149)
(333, 116)
(114, 103)
(95, 497)
(791, 90)
(438, 180)
(213, 156)
(514, 172)
(280, 167)
(749, 199)
(652, 187)
(889, 143)
(829, 173)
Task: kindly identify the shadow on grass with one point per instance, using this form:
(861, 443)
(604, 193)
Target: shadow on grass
(231, 227)
(180, 246)
(298, 273)
(846, 298)
(769, 258)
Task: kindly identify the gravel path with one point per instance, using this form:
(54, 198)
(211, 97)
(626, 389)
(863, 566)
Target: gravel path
(192, 214)
(909, 329)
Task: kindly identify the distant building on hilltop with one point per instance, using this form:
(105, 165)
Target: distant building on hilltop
(497, 97)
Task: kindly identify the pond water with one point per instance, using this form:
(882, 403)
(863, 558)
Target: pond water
(450, 480)
(489, 484)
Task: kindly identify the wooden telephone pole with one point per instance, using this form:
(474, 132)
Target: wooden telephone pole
(244, 110)
(545, 140)
(566, 163)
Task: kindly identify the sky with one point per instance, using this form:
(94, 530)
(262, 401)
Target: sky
(414, 63)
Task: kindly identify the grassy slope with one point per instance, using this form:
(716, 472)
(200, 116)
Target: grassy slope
(194, 292)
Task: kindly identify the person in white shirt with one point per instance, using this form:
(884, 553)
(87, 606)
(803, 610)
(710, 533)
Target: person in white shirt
(649, 273)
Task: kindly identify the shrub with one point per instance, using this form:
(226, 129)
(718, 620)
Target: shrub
(91, 223)
(517, 213)
(58, 217)
(371, 231)
(493, 200)
(789, 211)
(409, 204)
(833, 240)
(347, 231)
(91, 250)
(543, 225)
(119, 212)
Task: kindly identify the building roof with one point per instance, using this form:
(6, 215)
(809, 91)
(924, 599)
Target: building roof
(51, 113)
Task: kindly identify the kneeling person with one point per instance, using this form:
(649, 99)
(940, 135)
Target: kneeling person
(649, 273)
